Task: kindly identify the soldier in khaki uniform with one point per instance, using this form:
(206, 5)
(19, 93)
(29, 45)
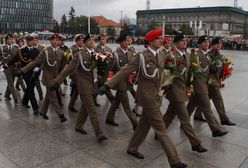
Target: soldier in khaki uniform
(214, 89)
(150, 63)
(177, 95)
(103, 48)
(200, 85)
(50, 60)
(7, 52)
(121, 57)
(165, 49)
(79, 46)
(37, 82)
(81, 66)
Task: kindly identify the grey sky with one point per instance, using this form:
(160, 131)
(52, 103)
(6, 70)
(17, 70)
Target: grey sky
(111, 8)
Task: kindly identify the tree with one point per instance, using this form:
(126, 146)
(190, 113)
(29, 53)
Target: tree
(64, 23)
(56, 26)
(186, 29)
(139, 32)
(111, 31)
(126, 30)
(152, 26)
(72, 14)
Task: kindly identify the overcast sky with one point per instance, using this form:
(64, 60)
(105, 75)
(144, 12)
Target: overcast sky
(111, 8)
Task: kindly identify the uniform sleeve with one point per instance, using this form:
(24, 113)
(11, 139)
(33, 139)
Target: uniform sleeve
(124, 72)
(14, 59)
(70, 68)
(36, 62)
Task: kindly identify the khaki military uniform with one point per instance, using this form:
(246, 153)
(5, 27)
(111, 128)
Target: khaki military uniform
(200, 96)
(74, 92)
(121, 96)
(131, 85)
(147, 91)
(6, 54)
(215, 95)
(50, 62)
(80, 65)
(37, 82)
(103, 79)
(177, 96)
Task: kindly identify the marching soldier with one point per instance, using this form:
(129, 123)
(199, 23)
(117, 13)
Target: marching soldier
(79, 39)
(37, 82)
(20, 42)
(177, 94)
(121, 57)
(81, 66)
(103, 48)
(50, 60)
(200, 97)
(150, 63)
(7, 52)
(166, 46)
(26, 55)
(214, 89)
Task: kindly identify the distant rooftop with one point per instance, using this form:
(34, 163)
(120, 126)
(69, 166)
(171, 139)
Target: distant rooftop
(195, 9)
(104, 22)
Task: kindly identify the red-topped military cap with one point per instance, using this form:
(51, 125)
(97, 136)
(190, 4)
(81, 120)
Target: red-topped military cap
(166, 40)
(153, 34)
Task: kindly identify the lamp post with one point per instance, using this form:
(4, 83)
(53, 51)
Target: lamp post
(88, 16)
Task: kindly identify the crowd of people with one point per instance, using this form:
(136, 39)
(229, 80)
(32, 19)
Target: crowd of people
(163, 70)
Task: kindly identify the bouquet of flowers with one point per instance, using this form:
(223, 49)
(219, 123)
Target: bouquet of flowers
(195, 70)
(226, 70)
(169, 72)
(102, 63)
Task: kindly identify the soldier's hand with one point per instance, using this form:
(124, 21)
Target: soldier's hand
(102, 90)
(18, 72)
(213, 69)
(5, 66)
(54, 86)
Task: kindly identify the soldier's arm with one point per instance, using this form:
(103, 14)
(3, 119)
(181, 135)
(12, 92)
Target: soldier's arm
(124, 72)
(69, 69)
(36, 62)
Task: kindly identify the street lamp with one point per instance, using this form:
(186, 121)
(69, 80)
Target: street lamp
(88, 16)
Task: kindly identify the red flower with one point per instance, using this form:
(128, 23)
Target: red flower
(178, 62)
(168, 60)
(193, 50)
(173, 49)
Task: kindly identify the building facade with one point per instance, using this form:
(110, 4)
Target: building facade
(104, 23)
(26, 15)
(213, 21)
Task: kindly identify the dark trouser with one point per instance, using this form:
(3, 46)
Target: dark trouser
(121, 97)
(29, 93)
(179, 109)
(202, 102)
(108, 94)
(10, 84)
(131, 90)
(38, 87)
(152, 117)
(59, 97)
(74, 96)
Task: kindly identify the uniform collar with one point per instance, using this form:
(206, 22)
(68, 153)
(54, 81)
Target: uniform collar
(89, 50)
(124, 51)
(54, 49)
(180, 52)
(153, 51)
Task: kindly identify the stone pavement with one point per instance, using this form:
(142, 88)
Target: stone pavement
(29, 141)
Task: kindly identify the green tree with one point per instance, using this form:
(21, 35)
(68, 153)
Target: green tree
(63, 24)
(111, 31)
(56, 27)
(152, 26)
(72, 14)
(139, 32)
(126, 30)
(186, 29)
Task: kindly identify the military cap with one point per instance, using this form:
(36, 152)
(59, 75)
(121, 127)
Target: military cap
(153, 34)
(166, 40)
(79, 37)
(30, 37)
(202, 39)
(8, 36)
(19, 39)
(178, 36)
(121, 38)
(87, 37)
(216, 40)
(54, 36)
(102, 35)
